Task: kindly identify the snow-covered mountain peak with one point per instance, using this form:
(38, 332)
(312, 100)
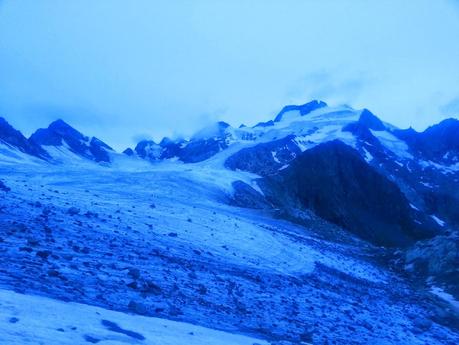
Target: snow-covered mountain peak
(302, 126)
(61, 126)
(13, 142)
(307, 125)
(63, 143)
(301, 110)
(56, 132)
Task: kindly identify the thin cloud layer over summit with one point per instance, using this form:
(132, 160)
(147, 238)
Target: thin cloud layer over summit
(168, 68)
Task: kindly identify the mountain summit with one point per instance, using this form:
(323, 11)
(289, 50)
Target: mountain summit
(62, 135)
(15, 139)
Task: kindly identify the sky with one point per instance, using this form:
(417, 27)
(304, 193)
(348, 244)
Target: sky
(127, 70)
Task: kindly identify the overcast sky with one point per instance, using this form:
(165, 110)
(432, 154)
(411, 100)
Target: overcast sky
(126, 70)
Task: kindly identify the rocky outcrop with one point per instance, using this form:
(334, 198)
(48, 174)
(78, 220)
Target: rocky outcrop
(99, 150)
(266, 158)
(438, 143)
(129, 152)
(246, 196)
(339, 186)
(200, 150)
(371, 121)
(438, 259)
(170, 148)
(148, 149)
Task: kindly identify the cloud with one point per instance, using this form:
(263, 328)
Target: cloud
(170, 68)
(78, 114)
(141, 136)
(451, 108)
(80, 117)
(333, 88)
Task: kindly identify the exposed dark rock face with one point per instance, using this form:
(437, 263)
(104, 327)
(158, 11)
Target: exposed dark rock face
(265, 159)
(59, 132)
(430, 188)
(433, 189)
(99, 150)
(443, 201)
(148, 149)
(303, 109)
(246, 196)
(361, 131)
(438, 143)
(14, 138)
(56, 132)
(339, 186)
(200, 150)
(381, 158)
(171, 148)
(369, 120)
(205, 144)
(167, 148)
(129, 152)
(437, 258)
(46, 137)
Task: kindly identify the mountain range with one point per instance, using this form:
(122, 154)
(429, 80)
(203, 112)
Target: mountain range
(423, 166)
(328, 185)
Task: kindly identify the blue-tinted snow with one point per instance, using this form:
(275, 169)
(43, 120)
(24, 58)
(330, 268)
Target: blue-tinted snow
(199, 260)
(26, 319)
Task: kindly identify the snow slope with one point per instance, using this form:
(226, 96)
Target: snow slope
(11, 155)
(163, 240)
(39, 320)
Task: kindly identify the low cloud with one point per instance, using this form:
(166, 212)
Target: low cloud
(451, 108)
(141, 136)
(329, 87)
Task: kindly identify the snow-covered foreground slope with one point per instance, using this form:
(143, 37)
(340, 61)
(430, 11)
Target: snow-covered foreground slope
(26, 319)
(10, 155)
(164, 241)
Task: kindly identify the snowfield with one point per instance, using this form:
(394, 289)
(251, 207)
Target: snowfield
(162, 240)
(41, 320)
